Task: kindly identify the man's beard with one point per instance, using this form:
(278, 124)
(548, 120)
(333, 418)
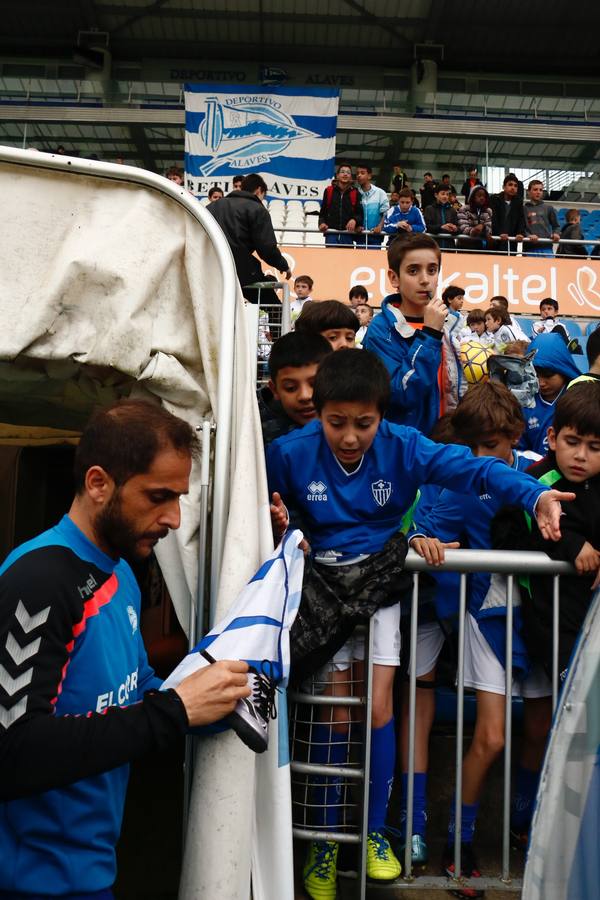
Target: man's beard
(115, 532)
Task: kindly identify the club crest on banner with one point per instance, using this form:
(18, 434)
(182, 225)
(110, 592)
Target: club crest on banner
(381, 491)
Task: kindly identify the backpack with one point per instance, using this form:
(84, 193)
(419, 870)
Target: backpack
(329, 196)
(518, 374)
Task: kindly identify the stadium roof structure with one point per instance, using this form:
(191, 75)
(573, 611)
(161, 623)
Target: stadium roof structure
(432, 83)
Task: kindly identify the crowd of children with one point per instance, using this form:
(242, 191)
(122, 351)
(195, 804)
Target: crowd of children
(394, 448)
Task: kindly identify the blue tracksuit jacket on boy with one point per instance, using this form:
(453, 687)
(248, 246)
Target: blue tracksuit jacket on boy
(468, 519)
(414, 217)
(413, 358)
(358, 512)
(550, 353)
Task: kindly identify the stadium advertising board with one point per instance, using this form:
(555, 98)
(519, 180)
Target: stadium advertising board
(285, 134)
(524, 280)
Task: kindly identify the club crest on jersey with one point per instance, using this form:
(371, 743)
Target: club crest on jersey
(382, 491)
(133, 619)
(317, 491)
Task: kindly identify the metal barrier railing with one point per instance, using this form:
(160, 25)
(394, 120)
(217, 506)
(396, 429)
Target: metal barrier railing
(506, 563)
(274, 319)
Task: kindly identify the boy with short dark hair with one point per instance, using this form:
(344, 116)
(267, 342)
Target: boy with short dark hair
(476, 322)
(331, 319)
(358, 294)
(410, 332)
(441, 218)
(303, 285)
(508, 215)
(404, 216)
(554, 368)
(358, 479)
(548, 323)
(593, 357)
(572, 231)
(364, 314)
(427, 190)
(497, 326)
(286, 402)
(540, 218)
(500, 300)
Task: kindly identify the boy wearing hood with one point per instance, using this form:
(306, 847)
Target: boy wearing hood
(475, 218)
(554, 368)
(541, 219)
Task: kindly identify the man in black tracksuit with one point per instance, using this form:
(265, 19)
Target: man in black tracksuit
(341, 209)
(248, 229)
(508, 216)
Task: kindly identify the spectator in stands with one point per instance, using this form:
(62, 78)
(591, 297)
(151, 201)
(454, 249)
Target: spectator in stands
(215, 193)
(341, 209)
(548, 322)
(413, 337)
(445, 180)
(554, 368)
(374, 204)
(356, 295)
(476, 322)
(394, 197)
(120, 160)
(441, 219)
(472, 180)
(286, 402)
(364, 314)
(427, 190)
(404, 216)
(541, 219)
(454, 201)
(513, 321)
(399, 178)
(475, 219)
(489, 421)
(498, 328)
(175, 174)
(248, 229)
(303, 286)
(572, 231)
(236, 182)
(593, 357)
(508, 215)
(332, 320)
(60, 150)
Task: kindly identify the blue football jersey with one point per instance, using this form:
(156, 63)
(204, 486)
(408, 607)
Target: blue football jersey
(357, 512)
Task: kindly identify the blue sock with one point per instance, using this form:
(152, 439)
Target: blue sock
(469, 814)
(523, 801)
(419, 822)
(383, 761)
(328, 747)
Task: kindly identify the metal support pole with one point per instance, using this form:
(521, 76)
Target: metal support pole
(508, 671)
(286, 312)
(459, 721)
(555, 631)
(412, 702)
(364, 830)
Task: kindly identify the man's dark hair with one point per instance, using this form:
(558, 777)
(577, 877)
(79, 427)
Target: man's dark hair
(124, 440)
(352, 376)
(593, 346)
(252, 182)
(173, 170)
(213, 191)
(358, 290)
(510, 177)
(402, 245)
(324, 315)
(445, 176)
(237, 179)
(452, 291)
(295, 349)
(427, 173)
(366, 167)
(549, 301)
(579, 408)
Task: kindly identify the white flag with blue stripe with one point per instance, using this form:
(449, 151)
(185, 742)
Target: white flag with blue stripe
(257, 626)
(286, 134)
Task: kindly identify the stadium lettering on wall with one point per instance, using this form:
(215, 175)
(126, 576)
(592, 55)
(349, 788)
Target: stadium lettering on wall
(285, 134)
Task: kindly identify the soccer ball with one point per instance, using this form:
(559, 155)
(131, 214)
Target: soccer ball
(474, 359)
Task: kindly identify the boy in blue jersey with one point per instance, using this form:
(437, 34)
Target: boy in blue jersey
(554, 368)
(358, 480)
(488, 420)
(404, 217)
(413, 336)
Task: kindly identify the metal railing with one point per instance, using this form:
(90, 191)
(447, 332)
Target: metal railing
(274, 320)
(506, 563)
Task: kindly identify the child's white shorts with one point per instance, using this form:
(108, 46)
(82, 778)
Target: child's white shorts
(387, 643)
(484, 672)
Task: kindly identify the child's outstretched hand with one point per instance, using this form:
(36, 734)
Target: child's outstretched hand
(548, 512)
(431, 549)
(279, 516)
(587, 562)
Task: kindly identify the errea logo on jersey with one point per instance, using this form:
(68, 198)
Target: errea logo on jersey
(533, 422)
(317, 491)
